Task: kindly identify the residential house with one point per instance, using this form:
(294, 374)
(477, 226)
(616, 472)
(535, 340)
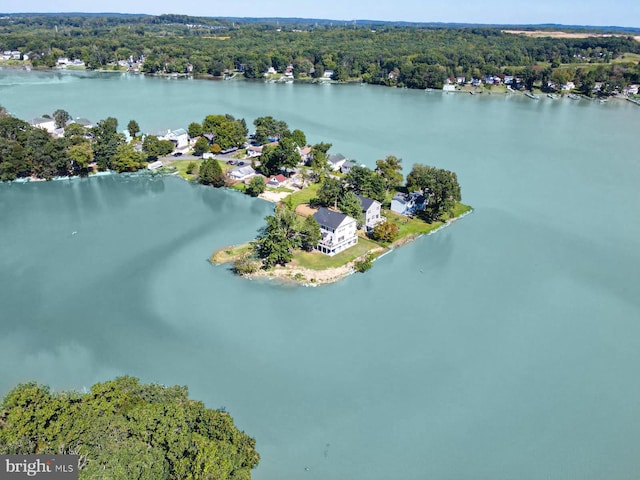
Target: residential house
(179, 137)
(277, 181)
(47, 124)
(242, 173)
(336, 161)
(461, 80)
(372, 212)
(568, 86)
(408, 203)
(328, 74)
(305, 154)
(347, 166)
(83, 122)
(338, 231)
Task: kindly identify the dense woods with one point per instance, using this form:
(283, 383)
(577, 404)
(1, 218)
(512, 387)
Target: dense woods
(415, 56)
(124, 429)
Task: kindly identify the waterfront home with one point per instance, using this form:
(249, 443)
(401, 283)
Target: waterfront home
(372, 212)
(254, 151)
(305, 154)
(83, 122)
(336, 161)
(242, 173)
(338, 231)
(347, 166)
(47, 124)
(277, 181)
(179, 137)
(408, 203)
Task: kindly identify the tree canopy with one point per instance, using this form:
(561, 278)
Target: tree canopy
(439, 185)
(123, 429)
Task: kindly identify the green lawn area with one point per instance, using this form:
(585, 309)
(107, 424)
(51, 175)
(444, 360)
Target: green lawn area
(414, 226)
(280, 189)
(304, 195)
(181, 168)
(319, 261)
(230, 253)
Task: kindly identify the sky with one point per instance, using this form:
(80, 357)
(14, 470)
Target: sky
(624, 13)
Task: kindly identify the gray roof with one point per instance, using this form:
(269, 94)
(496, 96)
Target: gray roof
(329, 219)
(337, 157)
(366, 202)
(244, 170)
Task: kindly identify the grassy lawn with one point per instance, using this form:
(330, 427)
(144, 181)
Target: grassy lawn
(181, 168)
(241, 186)
(414, 226)
(230, 253)
(304, 195)
(280, 190)
(319, 261)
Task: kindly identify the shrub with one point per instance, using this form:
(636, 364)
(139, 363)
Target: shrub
(365, 264)
(385, 232)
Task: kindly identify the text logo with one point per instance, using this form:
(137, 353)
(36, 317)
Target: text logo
(49, 467)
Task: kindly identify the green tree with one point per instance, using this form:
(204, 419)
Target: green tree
(440, 186)
(385, 232)
(329, 192)
(106, 142)
(256, 186)
(299, 138)
(276, 158)
(349, 204)
(366, 182)
(61, 117)
(127, 159)
(82, 155)
(277, 240)
(122, 429)
(269, 127)
(390, 169)
(133, 128)
(210, 173)
(194, 129)
(201, 146)
(310, 233)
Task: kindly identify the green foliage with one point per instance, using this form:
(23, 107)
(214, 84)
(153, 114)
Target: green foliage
(329, 192)
(201, 146)
(283, 234)
(194, 129)
(246, 264)
(256, 186)
(153, 147)
(366, 182)
(299, 138)
(441, 186)
(106, 142)
(228, 131)
(349, 204)
(61, 118)
(269, 127)
(385, 232)
(123, 429)
(82, 156)
(127, 159)
(191, 167)
(390, 169)
(210, 173)
(365, 264)
(276, 158)
(133, 128)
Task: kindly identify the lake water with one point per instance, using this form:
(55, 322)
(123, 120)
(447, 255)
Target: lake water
(505, 346)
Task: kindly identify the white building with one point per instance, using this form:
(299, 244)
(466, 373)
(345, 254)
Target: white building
(372, 210)
(47, 124)
(338, 231)
(179, 137)
(242, 173)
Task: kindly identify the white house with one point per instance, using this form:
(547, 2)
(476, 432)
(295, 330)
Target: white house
(47, 124)
(277, 181)
(242, 173)
(180, 137)
(338, 231)
(372, 212)
(408, 203)
(336, 161)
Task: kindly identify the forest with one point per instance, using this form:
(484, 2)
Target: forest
(413, 56)
(124, 429)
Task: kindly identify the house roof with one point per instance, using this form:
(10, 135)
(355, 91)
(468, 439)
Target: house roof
(180, 131)
(366, 202)
(278, 178)
(41, 120)
(243, 171)
(83, 122)
(330, 219)
(337, 158)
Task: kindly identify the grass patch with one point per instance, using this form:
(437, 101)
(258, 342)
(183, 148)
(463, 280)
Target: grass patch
(240, 186)
(415, 226)
(181, 168)
(319, 261)
(230, 253)
(304, 195)
(280, 190)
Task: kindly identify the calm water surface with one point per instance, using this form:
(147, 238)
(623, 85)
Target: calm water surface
(505, 346)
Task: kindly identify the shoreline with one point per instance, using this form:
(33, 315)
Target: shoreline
(307, 277)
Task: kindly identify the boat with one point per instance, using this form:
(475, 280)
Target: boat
(573, 96)
(532, 96)
(552, 96)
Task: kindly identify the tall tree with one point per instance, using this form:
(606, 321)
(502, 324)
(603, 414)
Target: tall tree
(329, 192)
(390, 169)
(133, 128)
(61, 117)
(349, 204)
(439, 185)
(210, 173)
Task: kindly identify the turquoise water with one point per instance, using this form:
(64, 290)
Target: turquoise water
(505, 346)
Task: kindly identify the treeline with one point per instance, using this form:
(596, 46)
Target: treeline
(124, 429)
(411, 56)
